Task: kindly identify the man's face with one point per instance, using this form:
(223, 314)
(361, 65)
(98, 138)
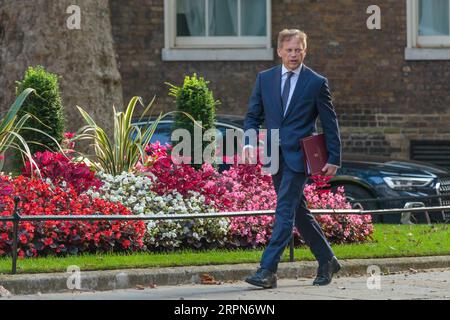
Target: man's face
(292, 53)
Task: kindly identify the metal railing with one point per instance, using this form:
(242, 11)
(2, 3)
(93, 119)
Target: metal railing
(409, 207)
(401, 198)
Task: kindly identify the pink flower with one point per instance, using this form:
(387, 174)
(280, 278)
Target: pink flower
(69, 135)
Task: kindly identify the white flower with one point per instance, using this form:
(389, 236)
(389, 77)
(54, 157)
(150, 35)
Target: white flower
(131, 200)
(138, 209)
(95, 195)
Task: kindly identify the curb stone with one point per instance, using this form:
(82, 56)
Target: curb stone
(23, 284)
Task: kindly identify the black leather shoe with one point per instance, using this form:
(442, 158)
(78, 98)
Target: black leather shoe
(263, 278)
(326, 271)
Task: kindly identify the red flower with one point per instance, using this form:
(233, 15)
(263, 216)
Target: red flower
(48, 241)
(126, 244)
(23, 238)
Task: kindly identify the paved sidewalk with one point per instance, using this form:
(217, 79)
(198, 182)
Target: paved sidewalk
(127, 279)
(430, 284)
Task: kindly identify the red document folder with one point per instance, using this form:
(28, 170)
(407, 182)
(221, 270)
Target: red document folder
(315, 154)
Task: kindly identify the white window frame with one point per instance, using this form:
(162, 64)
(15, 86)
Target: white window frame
(423, 47)
(207, 48)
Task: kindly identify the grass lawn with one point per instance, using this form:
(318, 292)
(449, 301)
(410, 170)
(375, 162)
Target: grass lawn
(388, 241)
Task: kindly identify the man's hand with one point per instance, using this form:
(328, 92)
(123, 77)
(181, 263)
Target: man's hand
(329, 169)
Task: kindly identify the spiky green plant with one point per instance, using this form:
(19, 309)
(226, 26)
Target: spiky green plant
(11, 126)
(127, 147)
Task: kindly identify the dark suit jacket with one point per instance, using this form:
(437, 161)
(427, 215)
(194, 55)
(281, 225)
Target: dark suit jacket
(311, 99)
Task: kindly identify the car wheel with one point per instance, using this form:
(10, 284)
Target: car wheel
(353, 192)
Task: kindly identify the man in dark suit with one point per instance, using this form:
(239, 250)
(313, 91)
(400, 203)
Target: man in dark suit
(289, 98)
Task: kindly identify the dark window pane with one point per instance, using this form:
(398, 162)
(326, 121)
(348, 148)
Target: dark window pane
(190, 17)
(253, 17)
(222, 17)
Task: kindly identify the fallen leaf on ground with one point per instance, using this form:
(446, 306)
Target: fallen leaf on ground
(208, 279)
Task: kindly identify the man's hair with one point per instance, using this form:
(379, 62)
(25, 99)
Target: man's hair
(288, 34)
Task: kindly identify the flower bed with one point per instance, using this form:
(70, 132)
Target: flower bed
(241, 188)
(158, 187)
(64, 237)
(136, 193)
(247, 188)
(60, 169)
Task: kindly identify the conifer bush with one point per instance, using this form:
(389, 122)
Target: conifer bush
(195, 98)
(46, 108)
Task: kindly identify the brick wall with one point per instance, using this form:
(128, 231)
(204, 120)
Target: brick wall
(382, 101)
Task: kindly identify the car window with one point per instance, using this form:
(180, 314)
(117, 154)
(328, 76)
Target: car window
(161, 134)
(163, 131)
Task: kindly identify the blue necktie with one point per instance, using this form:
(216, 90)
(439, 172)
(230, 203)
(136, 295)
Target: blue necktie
(286, 90)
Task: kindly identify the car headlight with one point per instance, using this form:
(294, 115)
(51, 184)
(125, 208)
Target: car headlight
(402, 183)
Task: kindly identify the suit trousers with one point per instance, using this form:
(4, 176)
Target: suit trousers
(292, 207)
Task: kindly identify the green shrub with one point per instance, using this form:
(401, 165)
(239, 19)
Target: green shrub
(45, 106)
(196, 99)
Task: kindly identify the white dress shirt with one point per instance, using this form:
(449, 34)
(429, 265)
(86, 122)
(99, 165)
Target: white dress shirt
(294, 79)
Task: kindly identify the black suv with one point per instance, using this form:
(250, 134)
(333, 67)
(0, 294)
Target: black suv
(375, 177)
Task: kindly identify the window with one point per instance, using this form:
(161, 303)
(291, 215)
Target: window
(217, 30)
(428, 30)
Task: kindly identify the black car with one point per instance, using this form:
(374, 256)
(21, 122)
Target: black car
(163, 130)
(367, 177)
(222, 123)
